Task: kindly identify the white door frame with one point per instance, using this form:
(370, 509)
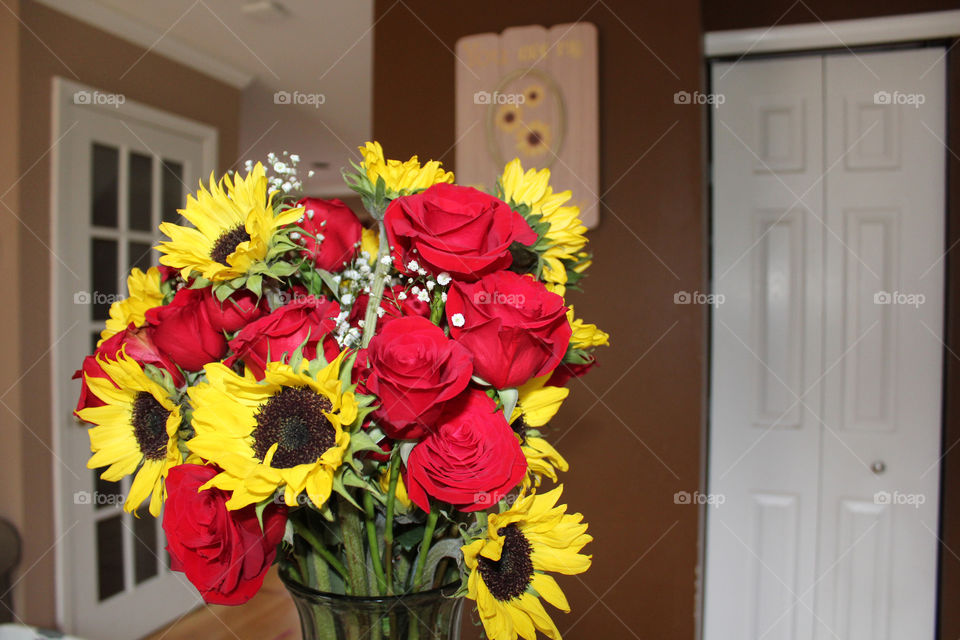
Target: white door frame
(809, 36)
(65, 103)
(813, 37)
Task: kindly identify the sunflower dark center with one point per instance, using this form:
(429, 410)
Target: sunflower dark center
(227, 244)
(534, 138)
(293, 420)
(509, 116)
(508, 577)
(150, 426)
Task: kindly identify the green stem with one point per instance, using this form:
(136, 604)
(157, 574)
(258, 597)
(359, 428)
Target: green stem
(353, 548)
(321, 550)
(376, 290)
(388, 529)
(372, 542)
(425, 547)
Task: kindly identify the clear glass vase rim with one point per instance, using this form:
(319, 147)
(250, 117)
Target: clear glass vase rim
(309, 592)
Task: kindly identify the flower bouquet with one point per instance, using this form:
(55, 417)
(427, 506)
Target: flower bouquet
(366, 406)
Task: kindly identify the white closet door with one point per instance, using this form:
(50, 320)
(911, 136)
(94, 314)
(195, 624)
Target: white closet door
(766, 341)
(828, 204)
(885, 118)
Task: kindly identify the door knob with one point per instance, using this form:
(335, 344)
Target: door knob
(878, 467)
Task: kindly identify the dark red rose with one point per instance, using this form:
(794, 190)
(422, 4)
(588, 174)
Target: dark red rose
(454, 229)
(307, 321)
(471, 460)
(333, 231)
(183, 330)
(396, 303)
(237, 311)
(414, 370)
(223, 553)
(565, 372)
(168, 273)
(514, 327)
(138, 346)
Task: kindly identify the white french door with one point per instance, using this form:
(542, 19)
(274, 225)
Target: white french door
(118, 170)
(825, 419)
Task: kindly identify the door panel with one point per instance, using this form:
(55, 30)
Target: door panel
(766, 348)
(884, 289)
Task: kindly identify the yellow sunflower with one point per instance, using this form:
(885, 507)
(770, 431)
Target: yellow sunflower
(401, 177)
(564, 232)
(370, 242)
(585, 336)
(233, 226)
(535, 138)
(542, 460)
(284, 431)
(144, 294)
(402, 497)
(136, 431)
(537, 403)
(507, 567)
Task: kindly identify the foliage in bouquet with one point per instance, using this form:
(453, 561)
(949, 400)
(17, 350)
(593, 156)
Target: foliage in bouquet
(370, 406)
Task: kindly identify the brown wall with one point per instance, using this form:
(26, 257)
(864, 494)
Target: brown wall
(11, 496)
(744, 14)
(638, 418)
(53, 44)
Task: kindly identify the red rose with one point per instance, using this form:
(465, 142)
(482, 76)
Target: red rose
(455, 229)
(514, 327)
(139, 347)
(394, 306)
(183, 330)
(414, 370)
(565, 372)
(333, 231)
(240, 309)
(223, 553)
(472, 459)
(275, 336)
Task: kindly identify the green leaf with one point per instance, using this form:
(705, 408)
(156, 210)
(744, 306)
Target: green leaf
(509, 397)
(411, 538)
(255, 284)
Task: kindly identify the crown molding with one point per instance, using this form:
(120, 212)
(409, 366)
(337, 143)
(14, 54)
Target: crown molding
(134, 31)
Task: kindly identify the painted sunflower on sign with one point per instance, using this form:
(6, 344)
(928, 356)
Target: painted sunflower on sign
(233, 226)
(136, 431)
(283, 431)
(507, 567)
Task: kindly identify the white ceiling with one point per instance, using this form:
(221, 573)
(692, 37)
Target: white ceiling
(307, 46)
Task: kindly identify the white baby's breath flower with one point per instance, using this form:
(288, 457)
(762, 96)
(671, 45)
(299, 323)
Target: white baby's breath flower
(457, 320)
(443, 279)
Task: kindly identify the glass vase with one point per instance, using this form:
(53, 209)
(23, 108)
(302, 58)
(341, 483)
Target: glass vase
(433, 615)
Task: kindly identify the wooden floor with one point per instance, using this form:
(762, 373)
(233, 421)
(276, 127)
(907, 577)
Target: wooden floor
(269, 615)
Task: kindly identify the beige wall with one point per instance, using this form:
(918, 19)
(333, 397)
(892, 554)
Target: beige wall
(52, 44)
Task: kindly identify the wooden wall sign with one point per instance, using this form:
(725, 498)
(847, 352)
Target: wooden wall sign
(530, 92)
